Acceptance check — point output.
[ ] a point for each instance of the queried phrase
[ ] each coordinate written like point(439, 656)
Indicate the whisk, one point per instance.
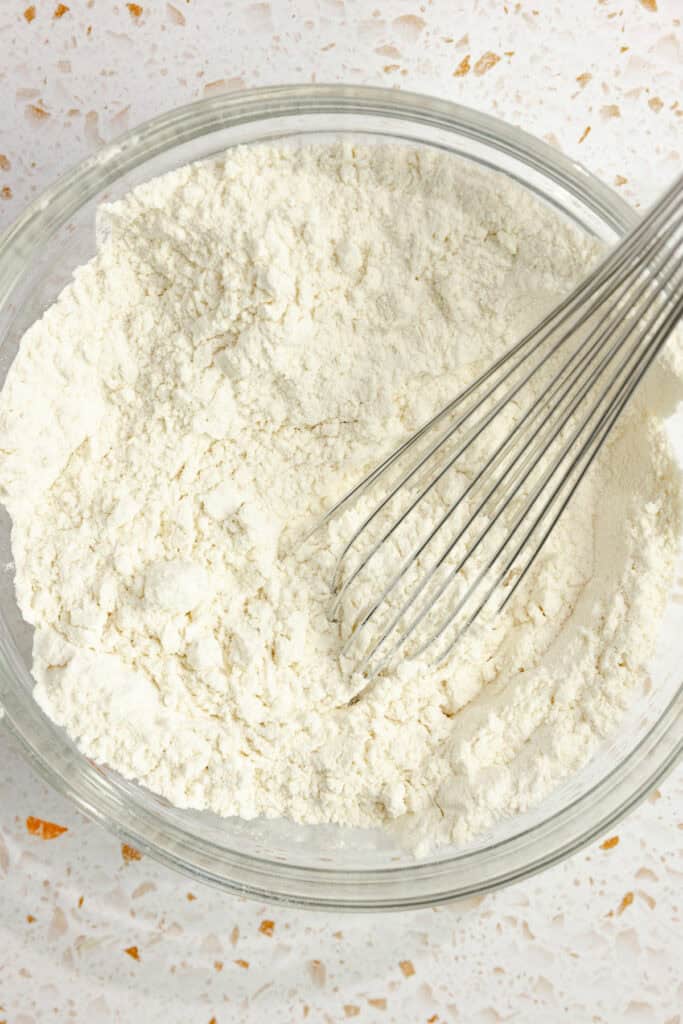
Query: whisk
point(536, 420)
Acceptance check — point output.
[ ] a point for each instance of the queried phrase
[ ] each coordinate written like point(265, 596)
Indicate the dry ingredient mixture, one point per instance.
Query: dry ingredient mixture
point(251, 335)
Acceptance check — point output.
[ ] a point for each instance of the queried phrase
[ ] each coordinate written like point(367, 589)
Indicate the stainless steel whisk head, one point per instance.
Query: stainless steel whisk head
point(437, 544)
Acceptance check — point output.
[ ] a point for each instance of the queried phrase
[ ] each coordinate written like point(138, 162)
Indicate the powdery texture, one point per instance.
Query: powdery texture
point(252, 333)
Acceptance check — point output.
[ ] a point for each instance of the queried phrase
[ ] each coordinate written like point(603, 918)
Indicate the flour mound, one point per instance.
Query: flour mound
point(251, 335)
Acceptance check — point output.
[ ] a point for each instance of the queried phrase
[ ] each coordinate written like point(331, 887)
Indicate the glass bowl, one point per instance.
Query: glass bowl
point(317, 866)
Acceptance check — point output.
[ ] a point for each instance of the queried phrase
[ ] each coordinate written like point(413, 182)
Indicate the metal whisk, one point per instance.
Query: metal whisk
point(532, 423)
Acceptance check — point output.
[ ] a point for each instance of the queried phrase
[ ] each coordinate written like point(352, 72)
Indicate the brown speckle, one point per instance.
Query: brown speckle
point(5, 192)
point(174, 15)
point(379, 1003)
point(610, 110)
point(585, 133)
point(143, 889)
point(267, 928)
point(58, 924)
point(411, 22)
point(218, 965)
point(584, 79)
point(190, 896)
point(619, 179)
point(90, 128)
point(30, 13)
point(135, 10)
point(351, 1010)
point(407, 968)
point(4, 163)
point(655, 104)
point(649, 5)
point(30, 918)
point(650, 900)
point(388, 51)
point(463, 67)
point(224, 85)
point(80, 901)
point(234, 935)
point(60, 11)
point(35, 112)
point(318, 972)
point(132, 951)
point(487, 61)
point(129, 853)
point(388, 68)
point(242, 963)
point(609, 844)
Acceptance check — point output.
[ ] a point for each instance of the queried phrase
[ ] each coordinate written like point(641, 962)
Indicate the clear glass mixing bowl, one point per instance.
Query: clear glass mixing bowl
point(277, 860)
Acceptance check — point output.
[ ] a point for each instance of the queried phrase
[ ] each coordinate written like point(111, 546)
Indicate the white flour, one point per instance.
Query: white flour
point(252, 334)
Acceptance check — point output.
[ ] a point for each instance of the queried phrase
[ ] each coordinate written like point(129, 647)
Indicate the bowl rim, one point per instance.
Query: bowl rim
point(425, 884)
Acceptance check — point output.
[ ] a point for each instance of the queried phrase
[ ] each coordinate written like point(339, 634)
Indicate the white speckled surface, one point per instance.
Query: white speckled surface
point(596, 939)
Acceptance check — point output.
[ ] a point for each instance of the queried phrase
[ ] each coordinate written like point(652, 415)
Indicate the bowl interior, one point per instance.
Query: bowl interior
point(320, 864)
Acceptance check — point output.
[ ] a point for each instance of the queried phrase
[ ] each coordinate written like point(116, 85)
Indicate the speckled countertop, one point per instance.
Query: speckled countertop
point(91, 933)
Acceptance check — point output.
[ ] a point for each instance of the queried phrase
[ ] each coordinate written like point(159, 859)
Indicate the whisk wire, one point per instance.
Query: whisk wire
point(628, 307)
point(589, 449)
point(542, 403)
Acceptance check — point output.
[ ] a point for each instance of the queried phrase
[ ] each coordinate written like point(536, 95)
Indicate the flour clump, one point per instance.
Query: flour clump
point(251, 335)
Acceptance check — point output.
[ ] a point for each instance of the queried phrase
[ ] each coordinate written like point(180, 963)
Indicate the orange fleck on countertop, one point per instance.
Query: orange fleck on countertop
point(30, 13)
point(5, 192)
point(609, 844)
point(129, 853)
point(4, 163)
point(584, 79)
point(60, 11)
point(267, 927)
point(407, 968)
point(487, 61)
point(379, 1003)
point(135, 10)
point(44, 829)
point(463, 67)
point(190, 896)
point(30, 918)
point(132, 951)
point(351, 1010)
point(242, 963)
point(649, 5)
point(585, 133)
point(626, 902)
point(36, 112)
point(218, 965)
point(318, 973)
